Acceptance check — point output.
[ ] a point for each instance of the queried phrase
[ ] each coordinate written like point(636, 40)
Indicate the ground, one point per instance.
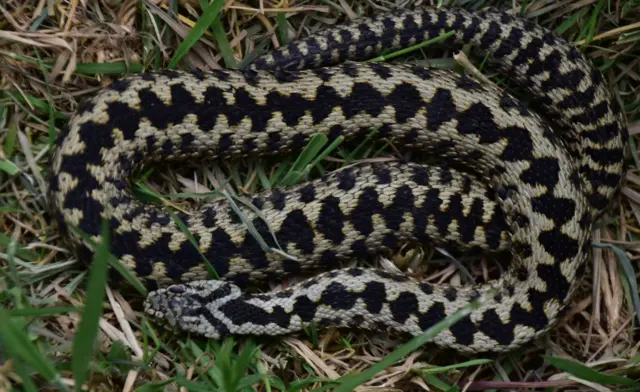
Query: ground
point(53, 54)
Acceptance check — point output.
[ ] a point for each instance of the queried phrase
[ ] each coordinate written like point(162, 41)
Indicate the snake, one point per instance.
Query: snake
point(493, 173)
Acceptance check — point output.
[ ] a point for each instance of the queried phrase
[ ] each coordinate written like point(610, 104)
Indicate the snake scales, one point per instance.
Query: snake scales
point(546, 187)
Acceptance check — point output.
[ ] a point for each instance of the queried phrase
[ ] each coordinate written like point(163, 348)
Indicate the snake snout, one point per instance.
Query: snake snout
point(193, 305)
point(173, 304)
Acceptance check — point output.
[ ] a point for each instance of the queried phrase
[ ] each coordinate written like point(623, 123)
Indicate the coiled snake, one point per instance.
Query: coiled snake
point(545, 187)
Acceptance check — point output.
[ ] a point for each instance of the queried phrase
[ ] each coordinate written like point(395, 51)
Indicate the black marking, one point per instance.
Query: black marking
point(521, 220)
point(520, 146)
point(463, 331)
point(218, 325)
point(508, 103)
point(446, 177)
point(328, 258)
point(381, 70)
point(359, 248)
point(307, 193)
point(177, 289)
point(390, 241)
point(308, 283)
point(491, 36)
point(362, 215)
point(440, 110)
point(251, 77)
point(338, 297)
point(240, 311)
point(434, 315)
point(335, 132)
point(249, 144)
point(403, 307)
point(278, 198)
point(605, 156)
point(167, 148)
point(197, 73)
point(374, 296)
point(347, 180)
point(171, 74)
point(120, 85)
point(522, 274)
point(298, 141)
point(350, 69)
point(283, 76)
point(493, 327)
point(274, 141)
point(451, 294)
point(220, 74)
point(426, 288)
point(322, 73)
point(355, 272)
point(468, 84)
point(508, 45)
point(296, 229)
point(421, 72)
point(408, 102)
point(403, 201)
point(466, 184)
point(560, 210)
point(221, 292)
point(382, 173)
point(478, 120)
point(331, 220)
point(185, 142)
point(522, 249)
point(305, 308)
point(542, 171)
point(148, 76)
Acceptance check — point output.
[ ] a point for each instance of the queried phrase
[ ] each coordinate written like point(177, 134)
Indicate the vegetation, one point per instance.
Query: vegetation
point(55, 53)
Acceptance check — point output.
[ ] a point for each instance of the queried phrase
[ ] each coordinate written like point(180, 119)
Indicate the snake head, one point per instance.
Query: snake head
point(193, 307)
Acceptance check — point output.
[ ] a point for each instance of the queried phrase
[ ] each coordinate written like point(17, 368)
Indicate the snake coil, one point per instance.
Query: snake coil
point(505, 180)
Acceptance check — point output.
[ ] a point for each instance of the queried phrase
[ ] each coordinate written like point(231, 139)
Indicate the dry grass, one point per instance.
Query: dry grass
point(55, 53)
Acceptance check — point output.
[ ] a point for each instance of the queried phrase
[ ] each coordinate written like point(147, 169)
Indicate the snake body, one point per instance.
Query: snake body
point(504, 180)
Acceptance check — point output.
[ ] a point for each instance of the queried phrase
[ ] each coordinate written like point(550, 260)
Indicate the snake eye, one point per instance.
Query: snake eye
point(176, 304)
point(177, 289)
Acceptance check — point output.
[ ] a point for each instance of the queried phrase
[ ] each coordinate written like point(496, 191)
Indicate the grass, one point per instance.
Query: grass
point(63, 328)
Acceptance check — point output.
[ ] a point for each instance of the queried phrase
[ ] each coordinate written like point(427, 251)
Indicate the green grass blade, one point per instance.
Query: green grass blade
point(389, 56)
point(217, 29)
point(588, 374)
point(243, 361)
point(9, 167)
point(592, 25)
point(16, 343)
point(83, 343)
point(27, 382)
point(36, 103)
point(115, 68)
point(32, 312)
point(208, 17)
point(281, 19)
point(436, 382)
point(443, 369)
point(183, 227)
point(313, 147)
point(114, 263)
point(22, 253)
point(10, 140)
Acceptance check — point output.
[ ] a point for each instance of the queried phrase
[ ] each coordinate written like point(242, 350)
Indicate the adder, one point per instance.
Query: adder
point(503, 178)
